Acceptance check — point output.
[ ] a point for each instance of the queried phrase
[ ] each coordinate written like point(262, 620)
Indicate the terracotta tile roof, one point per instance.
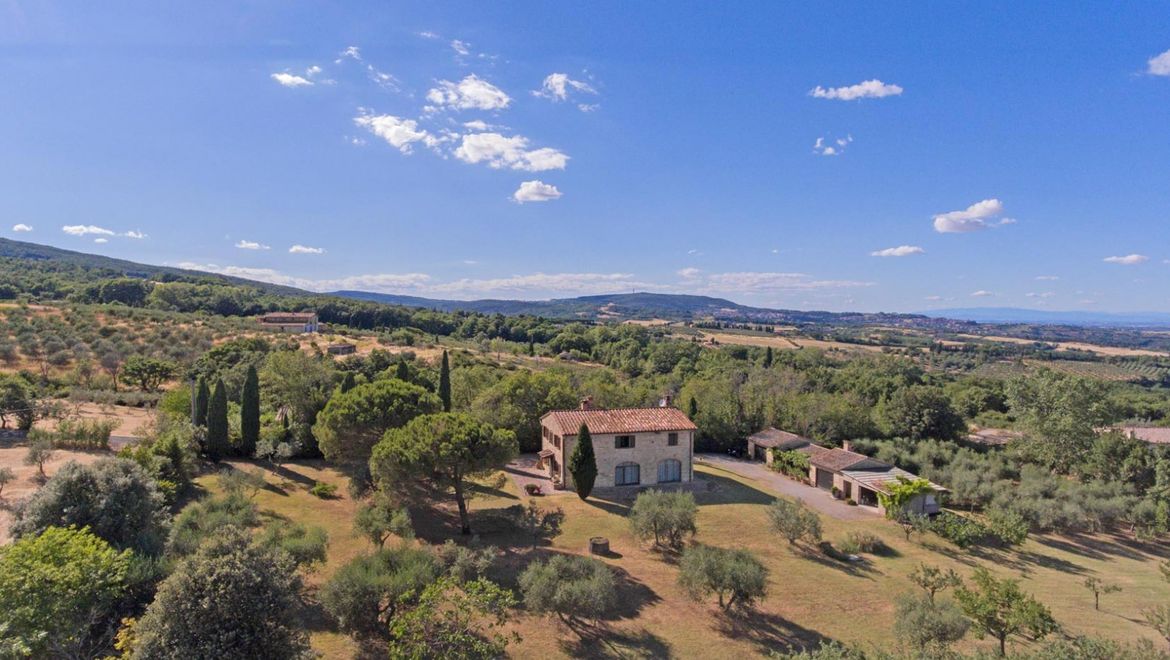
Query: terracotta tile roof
point(773, 437)
point(618, 420)
point(837, 460)
point(279, 317)
point(1150, 434)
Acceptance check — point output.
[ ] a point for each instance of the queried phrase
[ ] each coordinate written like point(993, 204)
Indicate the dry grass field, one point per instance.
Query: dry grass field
point(810, 598)
point(1107, 351)
point(780, 342)
point(25, 484)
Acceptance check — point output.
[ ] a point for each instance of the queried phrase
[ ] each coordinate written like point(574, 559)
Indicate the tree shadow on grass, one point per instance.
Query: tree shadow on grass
point(828, 556)
point(602, 641)
point(1113, 545)
point(1025, 561)
point(768, 632)
point(480, 490)
point(954, 554)
point(725, 490)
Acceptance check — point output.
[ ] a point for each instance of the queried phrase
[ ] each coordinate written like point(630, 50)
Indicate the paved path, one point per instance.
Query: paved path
point(523, 470)
point(765, 477)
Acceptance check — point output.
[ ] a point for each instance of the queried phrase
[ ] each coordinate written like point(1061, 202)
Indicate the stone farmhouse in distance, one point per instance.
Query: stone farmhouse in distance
point(294, 322)
point(633, 446)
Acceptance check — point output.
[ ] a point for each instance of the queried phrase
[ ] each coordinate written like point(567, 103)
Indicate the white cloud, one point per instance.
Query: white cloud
point(982, 294)
point(1047, 278)
point(82, 230)
point(535, 191)
point(980, 215)
point(304, 249)
point(1040, 294)
point(509, 152)
point(757, 282)
point(826, 147)
point(559, 86)
point(291, 80)
point(353, 53)
point(399, 132)
point(101, 240)
point(251, 245)
point(134, 234)
point(689, 273)
point(383, 80)
point(471, 92)
point(427, 34)
point(933, 298)
point(1159, 65)
point(461, 47)
point(477, 125)
point(1128, 260)
point(873, 89)
point(21, 227)
point(900, 251)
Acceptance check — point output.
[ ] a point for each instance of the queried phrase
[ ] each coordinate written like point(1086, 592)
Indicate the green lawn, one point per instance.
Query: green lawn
point(811, 597)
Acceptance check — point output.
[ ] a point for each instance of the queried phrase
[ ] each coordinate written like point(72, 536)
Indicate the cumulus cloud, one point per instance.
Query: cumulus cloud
point(689, 273)
point(82, 230)
point(251, 245)
point(535, 191)
point(135, 234)
point(352, 52)
point(900, 251)
point(501, 152)
point(304, 249)
point(828, 147)
point(21, 227)
point(870, 89)
point(980, 215)
point(461, 47)
point(291, 80)
point(472, 92)
point(1047, 278)
point(982, 294)
point(763, 282)
point(559, 86)
point(101, 240)
point(1128, 260)
point(1039, 294)
point(401, 133)
point(1159, 65)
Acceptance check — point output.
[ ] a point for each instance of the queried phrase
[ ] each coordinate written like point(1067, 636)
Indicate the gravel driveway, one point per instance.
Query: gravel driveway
point(764, 478)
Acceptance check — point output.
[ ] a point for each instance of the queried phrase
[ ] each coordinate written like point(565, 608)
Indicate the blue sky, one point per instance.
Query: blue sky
point(763, 152)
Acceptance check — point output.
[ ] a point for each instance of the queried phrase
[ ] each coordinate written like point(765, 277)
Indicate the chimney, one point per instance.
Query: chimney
point(846, 445)
point(587, 403)
point(665, 401)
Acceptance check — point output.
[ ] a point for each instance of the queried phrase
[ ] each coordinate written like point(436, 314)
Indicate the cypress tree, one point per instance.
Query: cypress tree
point(250, 413)
point(583, 463)
point(348, 382)
point(217, 423)
point(768, 358)
point(403, 371)
point(531, 348)
point(445, 383)
point(201, 398)
point(693, 409)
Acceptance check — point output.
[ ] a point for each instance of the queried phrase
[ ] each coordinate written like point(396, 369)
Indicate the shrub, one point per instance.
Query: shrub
point(203, 520)
point(325, 491)
point(569, 586)
point(735, 576)
point(857, 542)
point(960, 530)
point(929, 627)
point(231, 599)
point(532, 489)
point(464, 563)
point(306, 545)
point(665, 515)
point(114, 497)
point(792, 463)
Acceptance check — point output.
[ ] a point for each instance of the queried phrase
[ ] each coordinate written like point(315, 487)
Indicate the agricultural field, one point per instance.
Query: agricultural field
point(1104, 370)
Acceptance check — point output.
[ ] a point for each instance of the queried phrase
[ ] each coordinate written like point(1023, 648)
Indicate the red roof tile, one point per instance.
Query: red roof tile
point(839, 459)
point(618, 420)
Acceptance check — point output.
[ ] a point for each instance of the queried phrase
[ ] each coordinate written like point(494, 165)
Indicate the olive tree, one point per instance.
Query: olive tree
point(795, 521)
point(365, 594)
point(998, 607)
point(570, 586)
point(667, 516)
point(736, 577)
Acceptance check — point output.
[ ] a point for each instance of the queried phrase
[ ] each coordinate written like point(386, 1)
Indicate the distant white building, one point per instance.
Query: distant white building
point(294, 322)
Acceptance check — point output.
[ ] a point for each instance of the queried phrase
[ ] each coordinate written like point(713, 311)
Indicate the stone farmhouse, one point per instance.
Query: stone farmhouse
point(633, 446)
point(294, 322)
point(846, 473)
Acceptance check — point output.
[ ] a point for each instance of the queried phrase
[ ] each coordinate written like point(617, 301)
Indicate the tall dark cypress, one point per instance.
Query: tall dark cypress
point(768, 358)
point(583, 463)
point(217, 423)
point(201, 398)
point(693, 409)
point(348, 383)
point(445, 383)
point(250, 413)
point(531, 348)
point(403, 371)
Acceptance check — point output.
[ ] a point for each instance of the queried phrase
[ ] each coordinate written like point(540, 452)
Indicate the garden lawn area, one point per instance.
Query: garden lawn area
point(811, 597)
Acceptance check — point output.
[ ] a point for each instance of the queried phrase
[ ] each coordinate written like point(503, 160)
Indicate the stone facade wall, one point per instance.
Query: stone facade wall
point(649, 450)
